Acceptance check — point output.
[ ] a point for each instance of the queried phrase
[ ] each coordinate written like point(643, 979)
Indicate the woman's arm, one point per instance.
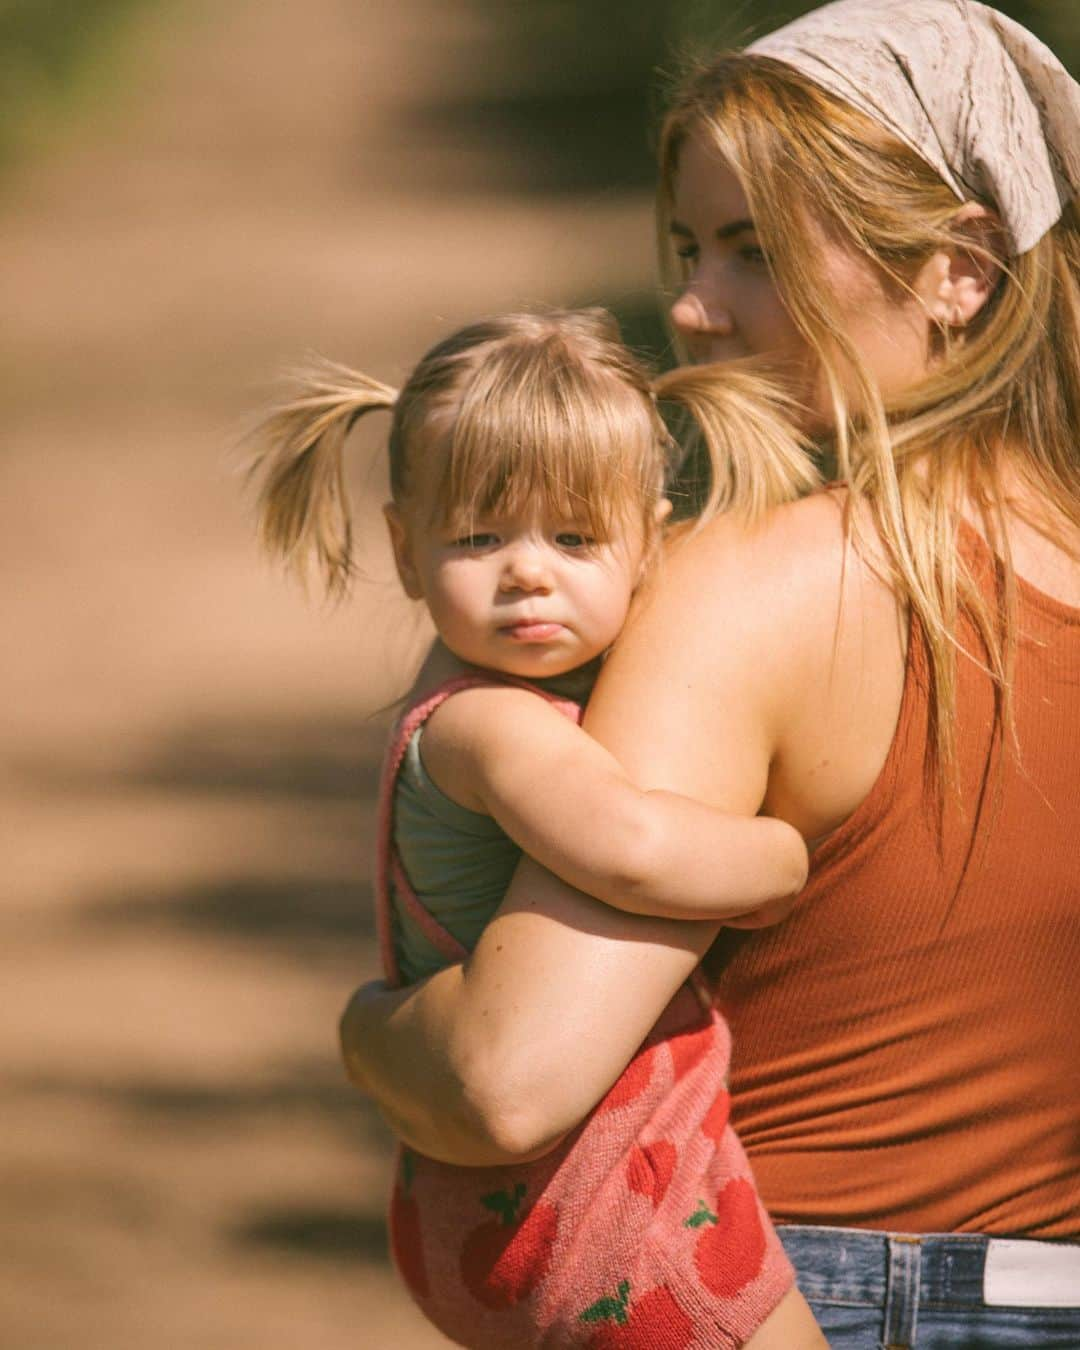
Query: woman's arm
point(569, 804)
point(508, 1052)
point(455, 1063)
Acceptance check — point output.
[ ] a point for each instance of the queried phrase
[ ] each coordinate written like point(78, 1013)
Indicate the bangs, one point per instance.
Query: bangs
point(538, 430)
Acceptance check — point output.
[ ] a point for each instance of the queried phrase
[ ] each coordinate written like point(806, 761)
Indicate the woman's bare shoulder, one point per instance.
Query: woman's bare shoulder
point(818, 643)
point(715, 652)
point(760, 651)
point(776, 581)
point(809, 532)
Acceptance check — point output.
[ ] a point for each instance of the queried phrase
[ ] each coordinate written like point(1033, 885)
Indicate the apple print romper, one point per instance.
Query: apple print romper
point(643, 1228)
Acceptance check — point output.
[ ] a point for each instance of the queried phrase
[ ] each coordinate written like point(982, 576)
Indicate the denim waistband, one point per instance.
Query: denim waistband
point(853, 1265)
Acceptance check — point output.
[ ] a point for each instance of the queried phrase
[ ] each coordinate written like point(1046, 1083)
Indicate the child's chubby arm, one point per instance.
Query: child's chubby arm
point(569, 804)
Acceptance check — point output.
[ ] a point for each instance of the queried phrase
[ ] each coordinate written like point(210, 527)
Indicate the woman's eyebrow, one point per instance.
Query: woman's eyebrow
point(728, 231)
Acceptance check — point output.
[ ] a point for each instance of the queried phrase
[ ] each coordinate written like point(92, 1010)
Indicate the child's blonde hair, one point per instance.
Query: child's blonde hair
point(545, 412)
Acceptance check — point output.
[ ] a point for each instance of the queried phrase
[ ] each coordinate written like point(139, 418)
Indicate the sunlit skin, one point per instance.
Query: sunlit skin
point(527, 595)
point(730, 307)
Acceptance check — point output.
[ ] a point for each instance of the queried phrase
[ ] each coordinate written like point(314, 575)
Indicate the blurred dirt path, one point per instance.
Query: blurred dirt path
point(187, 755)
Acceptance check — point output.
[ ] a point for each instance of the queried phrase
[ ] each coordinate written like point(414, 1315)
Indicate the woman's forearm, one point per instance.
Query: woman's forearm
point(496, 1060)
point(414, 1052)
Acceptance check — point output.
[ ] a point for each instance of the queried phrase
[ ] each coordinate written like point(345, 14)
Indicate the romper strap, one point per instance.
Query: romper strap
point(388, 867)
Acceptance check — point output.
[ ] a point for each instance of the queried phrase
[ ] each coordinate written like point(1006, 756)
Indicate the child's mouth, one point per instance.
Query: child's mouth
point(531, 630)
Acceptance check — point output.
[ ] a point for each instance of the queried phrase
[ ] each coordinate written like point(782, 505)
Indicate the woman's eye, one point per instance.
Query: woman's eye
point(687, 252)
point(753, 254)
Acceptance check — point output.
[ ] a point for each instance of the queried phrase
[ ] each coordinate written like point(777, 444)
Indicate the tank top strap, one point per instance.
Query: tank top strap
point(389, 872)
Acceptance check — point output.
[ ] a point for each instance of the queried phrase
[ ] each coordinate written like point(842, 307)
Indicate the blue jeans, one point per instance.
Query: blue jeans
point(923, 1292)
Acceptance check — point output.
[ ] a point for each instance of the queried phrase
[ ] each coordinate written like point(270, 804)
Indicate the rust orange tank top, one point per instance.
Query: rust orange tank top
point(907, 1044)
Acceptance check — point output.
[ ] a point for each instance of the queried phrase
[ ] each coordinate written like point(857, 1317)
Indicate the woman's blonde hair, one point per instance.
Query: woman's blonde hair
point(1006, 389)
point(547, 412)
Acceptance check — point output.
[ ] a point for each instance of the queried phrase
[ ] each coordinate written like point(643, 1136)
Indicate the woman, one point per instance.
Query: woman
point(886, 205)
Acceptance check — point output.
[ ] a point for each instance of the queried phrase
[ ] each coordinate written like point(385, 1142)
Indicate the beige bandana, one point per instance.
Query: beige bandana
point(979, 97)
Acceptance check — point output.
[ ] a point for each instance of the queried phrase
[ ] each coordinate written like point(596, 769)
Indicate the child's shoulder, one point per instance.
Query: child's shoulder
point(477, 714)
point(471, 727)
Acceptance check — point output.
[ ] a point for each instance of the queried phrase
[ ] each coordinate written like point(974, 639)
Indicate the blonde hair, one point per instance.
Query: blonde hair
point(522, 412)
point(1008, 387)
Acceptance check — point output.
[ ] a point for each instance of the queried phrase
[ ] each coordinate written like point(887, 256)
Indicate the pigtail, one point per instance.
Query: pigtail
point(748, 454)
point(303, 503)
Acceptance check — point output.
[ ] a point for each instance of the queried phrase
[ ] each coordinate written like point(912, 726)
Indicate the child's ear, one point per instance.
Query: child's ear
point(403, 559)
point(661, 511)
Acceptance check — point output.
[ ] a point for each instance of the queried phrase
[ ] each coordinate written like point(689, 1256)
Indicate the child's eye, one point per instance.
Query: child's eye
point(480, 539)
point(573, 540)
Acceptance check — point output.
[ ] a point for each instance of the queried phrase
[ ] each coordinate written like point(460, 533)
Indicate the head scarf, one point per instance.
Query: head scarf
point(981, 99)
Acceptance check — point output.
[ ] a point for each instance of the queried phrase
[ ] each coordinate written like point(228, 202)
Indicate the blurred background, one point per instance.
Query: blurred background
point(191, 196)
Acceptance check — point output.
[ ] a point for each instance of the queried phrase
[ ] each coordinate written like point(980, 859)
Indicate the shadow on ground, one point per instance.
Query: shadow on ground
point(316, 1092)
point(315, 1233)
point(306, 918)
point(320, 759)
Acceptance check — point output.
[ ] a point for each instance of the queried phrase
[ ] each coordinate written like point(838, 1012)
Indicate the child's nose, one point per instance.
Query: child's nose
point(526, 569)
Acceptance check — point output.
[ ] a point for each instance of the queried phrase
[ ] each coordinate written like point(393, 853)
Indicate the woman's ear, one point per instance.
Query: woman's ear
point(662, 510)
point(403, 557)
point(961, 279)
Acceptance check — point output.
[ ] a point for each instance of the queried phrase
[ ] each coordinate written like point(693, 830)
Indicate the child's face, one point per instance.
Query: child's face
point(528, 596)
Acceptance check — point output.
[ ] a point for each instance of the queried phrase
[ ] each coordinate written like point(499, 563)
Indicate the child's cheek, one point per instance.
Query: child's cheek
point(611, 605)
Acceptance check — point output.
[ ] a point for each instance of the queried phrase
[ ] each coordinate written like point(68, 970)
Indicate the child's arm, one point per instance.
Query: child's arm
point(568, 803)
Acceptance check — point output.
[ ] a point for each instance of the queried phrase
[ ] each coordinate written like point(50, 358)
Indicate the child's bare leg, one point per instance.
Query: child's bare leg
point(790, 1326)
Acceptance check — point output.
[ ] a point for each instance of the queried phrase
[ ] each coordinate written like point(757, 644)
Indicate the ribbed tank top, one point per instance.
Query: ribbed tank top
point(907, 1043)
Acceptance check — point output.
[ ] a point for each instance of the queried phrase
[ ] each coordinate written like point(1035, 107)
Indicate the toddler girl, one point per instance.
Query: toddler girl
point(528, 466)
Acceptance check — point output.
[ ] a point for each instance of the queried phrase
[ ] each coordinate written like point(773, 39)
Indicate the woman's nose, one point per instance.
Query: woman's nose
point(700, 312)
point(525, 569)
